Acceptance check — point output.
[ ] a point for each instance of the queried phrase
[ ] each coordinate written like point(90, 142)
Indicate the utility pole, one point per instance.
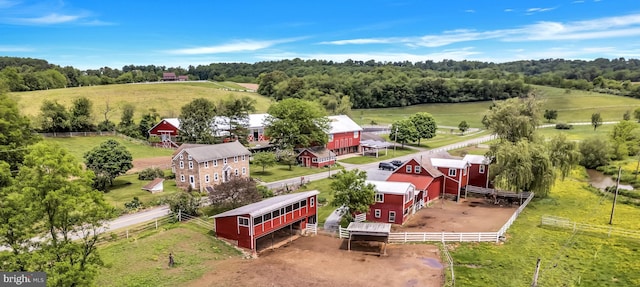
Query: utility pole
point(615, 197)
point(396, 143)
point(535, 274)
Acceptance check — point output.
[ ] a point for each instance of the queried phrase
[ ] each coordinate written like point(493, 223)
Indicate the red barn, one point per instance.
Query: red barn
point(394, 202)
point(426, 179)
point(167, 130)
point(344, 135)
point(316, 157)
point(478, 170)
point(246, 225)
point(456, 174)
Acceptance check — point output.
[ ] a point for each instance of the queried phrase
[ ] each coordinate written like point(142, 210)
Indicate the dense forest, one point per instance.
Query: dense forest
point(361, 84)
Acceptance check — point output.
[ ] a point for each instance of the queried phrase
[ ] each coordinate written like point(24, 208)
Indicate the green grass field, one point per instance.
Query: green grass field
point(126, 187)
point(280, 172)
point(578, 132)
point(576, 106)
point(579, 260)
point(323, 186)
point(390, 153)
point(78, 146)
point(143, 260)
point(166, 98)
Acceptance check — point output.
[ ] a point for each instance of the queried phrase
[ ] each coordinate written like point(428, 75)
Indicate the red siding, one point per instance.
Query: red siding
point(392, 202)
point(283, 220)
point(164, 126)
point(227, 227)
point(434, 190)
point(476, 178)
point(343, 143)
point(307, 160)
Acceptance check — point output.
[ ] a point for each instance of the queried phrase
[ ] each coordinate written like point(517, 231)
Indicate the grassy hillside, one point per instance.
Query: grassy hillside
point(78, 146)
point(166, 98)
point(576, 106)
point(567, 260)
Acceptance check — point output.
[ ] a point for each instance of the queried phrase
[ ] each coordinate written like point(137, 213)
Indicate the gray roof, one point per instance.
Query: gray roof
point(216, 151)
point(268, 204)
point(369, 228)
point(476, 159)
point(342, 124)
point(319, 151)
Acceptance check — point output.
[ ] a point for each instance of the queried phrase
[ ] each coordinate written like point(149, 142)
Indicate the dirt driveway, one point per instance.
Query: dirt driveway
point(470, 215)
point(323, 261)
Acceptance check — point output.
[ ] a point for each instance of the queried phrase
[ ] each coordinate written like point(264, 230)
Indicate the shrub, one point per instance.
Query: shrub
point(150, 173)
point(322, 200)
point(563, 126)
point(134, 204)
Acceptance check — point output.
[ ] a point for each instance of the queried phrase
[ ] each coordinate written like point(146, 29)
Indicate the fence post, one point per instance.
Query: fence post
point(127, 233)
point(460, 237)
point(179, 215)
point(424, 237)
point(156, 224)
point(442, 237)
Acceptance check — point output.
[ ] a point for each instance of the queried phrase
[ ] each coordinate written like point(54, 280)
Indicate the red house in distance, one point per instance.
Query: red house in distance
point(316, 157)
point(344, 135)
point(167, 130)
point(426, 179)
point(247, 225)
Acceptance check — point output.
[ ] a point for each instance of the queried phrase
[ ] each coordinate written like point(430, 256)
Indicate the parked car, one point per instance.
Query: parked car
point(386, 166)
point(397, 163)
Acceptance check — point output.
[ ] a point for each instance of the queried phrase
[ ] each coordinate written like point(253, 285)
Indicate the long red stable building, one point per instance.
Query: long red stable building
point(247, 224)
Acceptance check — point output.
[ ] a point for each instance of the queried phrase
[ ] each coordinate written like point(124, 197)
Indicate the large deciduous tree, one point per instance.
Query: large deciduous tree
point(550, 115)
point(237, 111)
point(297, 123)
point(404, 131)
point(463, 126)
point(564, 154)
point(147, 122)
point(350, 189)
point(624, 139)
point(16, 132)
point(596, 120)
point(595, 152)
point(54, 117)
point(127, 126)
point(57, 194)
point(264, 159)
point(197, 121)
point(514, 119)
point(81, 120)
point(235, 193)
point(425, 125)
point(108, 161)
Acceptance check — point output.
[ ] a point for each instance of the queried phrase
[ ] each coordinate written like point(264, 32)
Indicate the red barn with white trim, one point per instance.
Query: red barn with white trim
point(478, 170)
point(394, 202)
point(245, 225)
point(344, 135)
point(427, 179)
point(455, 174)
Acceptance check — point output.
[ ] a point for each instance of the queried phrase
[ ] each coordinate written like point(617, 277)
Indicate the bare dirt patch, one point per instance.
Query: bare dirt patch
point(469, 215)
point(322, 261)
point(249, 86)
point(163, 162)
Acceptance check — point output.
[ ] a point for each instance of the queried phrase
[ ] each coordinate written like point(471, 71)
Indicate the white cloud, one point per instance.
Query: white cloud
point(52, 18)
point(470, 11)
point(238, 46)
point(577, 2)
point(10, 49)
point(508, 10)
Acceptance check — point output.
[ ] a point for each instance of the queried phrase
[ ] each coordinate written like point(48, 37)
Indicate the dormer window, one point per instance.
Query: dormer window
point(452, 172)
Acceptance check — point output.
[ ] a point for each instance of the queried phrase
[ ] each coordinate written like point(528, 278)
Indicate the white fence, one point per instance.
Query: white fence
point(78, 134)
point(342, 232)
point(609, 231)
point(464, 144)
point(515, 215)
point(449, 259)
point(311, 228)
point(360, 217)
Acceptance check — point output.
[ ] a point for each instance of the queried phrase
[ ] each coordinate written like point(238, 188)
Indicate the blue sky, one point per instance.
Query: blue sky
point(94, 33)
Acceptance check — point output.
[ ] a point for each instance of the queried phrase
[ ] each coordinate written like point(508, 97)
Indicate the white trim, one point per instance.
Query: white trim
point(215, 177)
point(452, 172)
point(481, 169)
point(381, 195)
point(182, 178)
point(244, 170)
point(394, 216)
point(377, 213)
point(215, 163)
point(408, 168)
point(417, 169)
point(206, 178)
point(181, 164)
point(241, 220)
point(190, 164)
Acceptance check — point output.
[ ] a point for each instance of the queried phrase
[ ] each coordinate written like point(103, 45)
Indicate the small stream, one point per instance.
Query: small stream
point(602, 181)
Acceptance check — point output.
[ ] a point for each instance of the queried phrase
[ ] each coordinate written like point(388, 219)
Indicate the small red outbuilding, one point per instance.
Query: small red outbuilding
point(245, 225)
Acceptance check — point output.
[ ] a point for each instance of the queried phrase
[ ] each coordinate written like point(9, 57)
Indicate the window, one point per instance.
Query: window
point(379, 197)
point(190, 165)
point(452, 172)
point(312, 201)
point(243, 221)
point(392, 216)
point(276, 213)
point(182, 177)
point(406, 211)
point(355, 134)
point(206, 178)
point(409, 168)
point(235, 158)
point(215, 176)
point(289, 208)
point(303, 203)
point(267, 216)
point(257, 220)
point(244, 170)
point(296, 206)
point(331, 137)
point(417, 169)
point(481, 168)
point(189, 157)
point(181, 157)
point(236, 172)
point(377, 213)
point(182, 164)
point(314, 160)
point(224, 161)
point(206, 164)
point(244, 157)
point(215, 162)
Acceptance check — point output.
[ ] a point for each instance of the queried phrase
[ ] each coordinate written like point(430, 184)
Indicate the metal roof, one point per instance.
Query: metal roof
point(421, 182)
point(476, 159)
point(268, 205)
point(342, 124)
point(216, 151)
point(369, 228)
point(173, 121)
point(450, 163)
point(375, 144)
point(257, 120)
point(391, 187)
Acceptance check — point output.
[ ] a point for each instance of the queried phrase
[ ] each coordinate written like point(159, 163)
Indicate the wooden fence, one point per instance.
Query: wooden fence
point(609, 231)
point(77, 134)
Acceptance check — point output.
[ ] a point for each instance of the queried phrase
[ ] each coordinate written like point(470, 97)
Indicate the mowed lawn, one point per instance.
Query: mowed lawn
point(166, 98)
point(126, 187)
point(579, 132)
point(576, 106)
point(78, 146)
point(567, 259)
point(143, 260)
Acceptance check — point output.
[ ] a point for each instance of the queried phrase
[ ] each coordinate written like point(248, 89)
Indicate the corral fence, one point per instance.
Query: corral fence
point(404, 237)
point(464, 144)
point(449, 259)
point(155, 224)
point(609, 231)
point(311, 229)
